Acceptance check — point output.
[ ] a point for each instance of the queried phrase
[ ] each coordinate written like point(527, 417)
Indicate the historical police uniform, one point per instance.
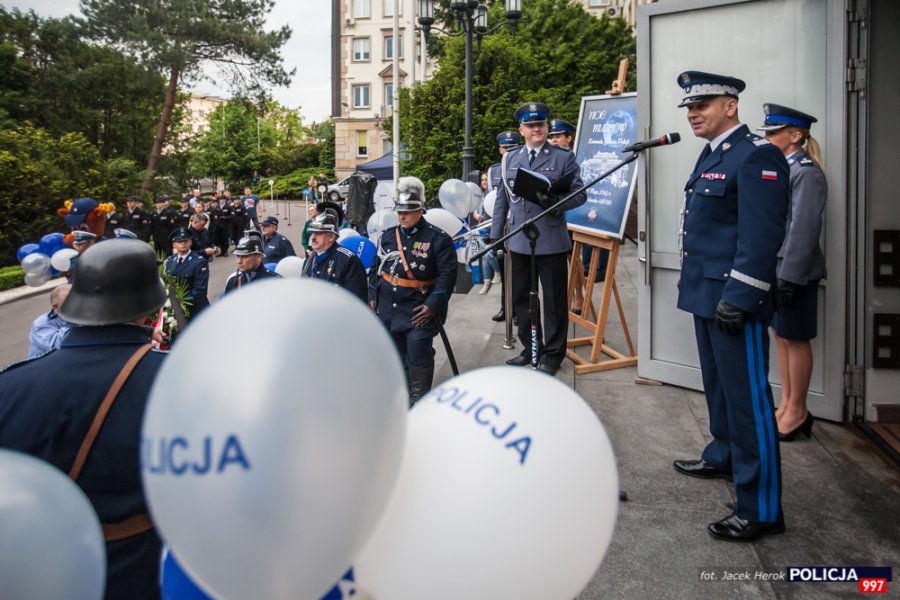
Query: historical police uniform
point(164, 222)
point(276, 246)
point(550, 250)
point(138, 221)
point(732, 226)
point(418, 268)
point(248, 245)
point(337, 265)
point(50, 416)
point(192, 271)
point(801, 263)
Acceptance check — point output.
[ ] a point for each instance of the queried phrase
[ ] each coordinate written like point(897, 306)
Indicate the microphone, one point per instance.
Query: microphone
point(669, 138)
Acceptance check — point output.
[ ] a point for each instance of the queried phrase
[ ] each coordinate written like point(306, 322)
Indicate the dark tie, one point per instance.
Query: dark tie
point(707, 150)
point(179, 260)
point(531, 156)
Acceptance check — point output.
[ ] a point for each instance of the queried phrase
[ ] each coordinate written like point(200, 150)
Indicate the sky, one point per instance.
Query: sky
point(308, 51)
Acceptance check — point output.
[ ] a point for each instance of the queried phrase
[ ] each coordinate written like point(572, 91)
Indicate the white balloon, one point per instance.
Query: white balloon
point(37, 279)
point(379, 221)
point(508, 489)
point(290, 266)
point(489, 199)
point(461, 255)
point(475, 196)
point(445, 220)
point(346, 233)
point(455, 197)
point(267, 480)
point(62, 258)
point(36, 262)
point(51, 544)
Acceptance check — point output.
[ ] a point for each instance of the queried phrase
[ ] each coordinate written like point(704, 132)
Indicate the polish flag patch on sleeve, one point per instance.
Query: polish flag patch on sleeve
point(770, 175)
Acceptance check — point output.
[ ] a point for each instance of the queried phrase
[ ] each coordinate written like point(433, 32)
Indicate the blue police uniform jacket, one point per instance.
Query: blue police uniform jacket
point(49, 416)
point(194, 273)
point(736, 200)
point(431, 257)
point(800, 259)
point(341, 267)
point(553, 162)
point(241, 278)
point(494, 180)
point(276, 247)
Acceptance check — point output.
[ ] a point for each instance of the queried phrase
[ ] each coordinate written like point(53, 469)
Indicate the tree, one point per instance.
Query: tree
point(180, 37)
point(559, 54)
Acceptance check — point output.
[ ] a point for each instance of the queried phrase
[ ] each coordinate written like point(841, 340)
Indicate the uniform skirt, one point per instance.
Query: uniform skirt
point(798, 321)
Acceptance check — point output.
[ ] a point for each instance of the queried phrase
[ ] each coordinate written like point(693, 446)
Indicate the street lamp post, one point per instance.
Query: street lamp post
point(471, 18)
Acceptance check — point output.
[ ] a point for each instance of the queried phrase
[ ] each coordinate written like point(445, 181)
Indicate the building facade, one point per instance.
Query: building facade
point(200, 106)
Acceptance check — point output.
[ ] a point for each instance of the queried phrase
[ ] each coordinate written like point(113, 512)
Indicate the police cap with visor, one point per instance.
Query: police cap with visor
point(699, 86)
point(779, 117)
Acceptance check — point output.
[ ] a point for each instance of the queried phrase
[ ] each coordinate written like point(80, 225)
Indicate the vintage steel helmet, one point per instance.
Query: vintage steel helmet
point(411, 194)
point(116, 281)
point(248, 245)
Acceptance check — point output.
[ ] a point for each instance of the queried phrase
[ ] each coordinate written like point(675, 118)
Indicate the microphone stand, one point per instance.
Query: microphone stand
point(530, 230)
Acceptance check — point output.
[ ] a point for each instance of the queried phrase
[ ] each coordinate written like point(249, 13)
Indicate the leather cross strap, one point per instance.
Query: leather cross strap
point(409, 273)
point(138, 523)
point(411, 283)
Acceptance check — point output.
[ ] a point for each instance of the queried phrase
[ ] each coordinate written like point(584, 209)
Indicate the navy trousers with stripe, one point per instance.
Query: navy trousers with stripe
point(741, 415)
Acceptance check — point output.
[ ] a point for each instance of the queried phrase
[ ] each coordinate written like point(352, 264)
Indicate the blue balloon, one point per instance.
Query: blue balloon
point(364, 248)
point(174, 583)
point(27, 249)
point(51, 242)
point(270, 266)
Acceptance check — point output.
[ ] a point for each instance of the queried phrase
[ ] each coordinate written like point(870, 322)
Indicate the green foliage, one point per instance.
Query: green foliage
point(324, 133)
point(290, 185)
point(559, 54)
point(11, 277)
point(38, 172)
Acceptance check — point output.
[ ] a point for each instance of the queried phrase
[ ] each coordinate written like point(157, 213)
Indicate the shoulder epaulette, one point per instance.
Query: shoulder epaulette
point(25, 361)
point(806, 162)
point(346, 252)
point(760, 142)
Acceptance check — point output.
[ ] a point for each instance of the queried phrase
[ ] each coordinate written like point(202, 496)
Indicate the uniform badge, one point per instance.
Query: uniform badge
point(713, 176)
point(725, 147)
point(770, 175)
point(421, 267)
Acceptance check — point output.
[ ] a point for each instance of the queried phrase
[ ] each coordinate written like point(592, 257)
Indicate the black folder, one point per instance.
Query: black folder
point(528, 183)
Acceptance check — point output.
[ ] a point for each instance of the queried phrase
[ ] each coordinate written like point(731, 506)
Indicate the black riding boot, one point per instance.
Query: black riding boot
point(419, 383)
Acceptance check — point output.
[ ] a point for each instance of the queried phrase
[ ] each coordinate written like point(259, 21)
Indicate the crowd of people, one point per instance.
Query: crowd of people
point(752, 208)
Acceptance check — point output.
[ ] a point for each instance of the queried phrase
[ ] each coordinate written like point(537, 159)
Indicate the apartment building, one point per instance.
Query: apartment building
point(200, 106)
point(626, 9)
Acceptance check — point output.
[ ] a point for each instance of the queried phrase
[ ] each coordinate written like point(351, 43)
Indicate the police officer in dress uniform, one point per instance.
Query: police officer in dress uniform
point(733, 218)
point(164, 222)
point(552, 245)
point(506, 141)
point(275, 245)
point(238, 217)
point(137, 219)
point(184, 214)
point(411, 287)
point(332, 262)
point(114, 221)
point(117, 286)
point(249, 254)
point(562, 133)
point(190, 269)
point(223, 233)
point(801, 264)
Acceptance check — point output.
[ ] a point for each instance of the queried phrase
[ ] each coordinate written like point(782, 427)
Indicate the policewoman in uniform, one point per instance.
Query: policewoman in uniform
point(411, 288)
point(553, 244)
point(801, 264)
point(735, 202)
point(190, 269)
point(50, 417)
point(332, 262)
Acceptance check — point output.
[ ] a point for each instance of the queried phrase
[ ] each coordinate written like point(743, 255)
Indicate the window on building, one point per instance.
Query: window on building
point(362, 143)
point(389, 8)
point(594, 3)
point(362, 49)
point(386, 146)
point(362, 8)
point(361, 96)
point(389, 95)
point(389, 46)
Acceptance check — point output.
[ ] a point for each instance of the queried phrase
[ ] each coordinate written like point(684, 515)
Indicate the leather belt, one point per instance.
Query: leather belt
point(410, 283)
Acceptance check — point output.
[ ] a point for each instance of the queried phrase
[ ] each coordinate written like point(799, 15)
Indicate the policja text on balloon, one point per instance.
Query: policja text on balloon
point(177, 456)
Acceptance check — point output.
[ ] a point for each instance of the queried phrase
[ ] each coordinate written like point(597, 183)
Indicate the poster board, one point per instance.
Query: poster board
point(606, 125)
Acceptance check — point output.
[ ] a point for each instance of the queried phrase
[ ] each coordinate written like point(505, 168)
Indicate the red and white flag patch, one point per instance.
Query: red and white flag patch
point(770, 175)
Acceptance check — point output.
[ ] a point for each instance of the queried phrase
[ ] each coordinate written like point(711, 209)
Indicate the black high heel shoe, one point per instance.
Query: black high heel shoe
point(805, 428)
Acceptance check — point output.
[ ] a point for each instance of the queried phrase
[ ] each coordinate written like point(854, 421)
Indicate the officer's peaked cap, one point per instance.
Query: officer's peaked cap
point(778, 117)
point(533, 112)
point(117, 282)
point(558, 126)
point(699, 86)
point(508, 139)
point(180, 234)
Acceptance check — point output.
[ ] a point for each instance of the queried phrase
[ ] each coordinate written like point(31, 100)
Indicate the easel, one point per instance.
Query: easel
point(595, 320)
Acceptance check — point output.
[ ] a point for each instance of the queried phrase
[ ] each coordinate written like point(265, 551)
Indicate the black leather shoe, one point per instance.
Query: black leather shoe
point(548, 369)
point(500, 316)
point(735, 529)
point(519, 361)
point(698, 468)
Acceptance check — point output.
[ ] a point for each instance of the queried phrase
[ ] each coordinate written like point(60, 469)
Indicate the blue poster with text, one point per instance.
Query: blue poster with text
point(607, 124)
